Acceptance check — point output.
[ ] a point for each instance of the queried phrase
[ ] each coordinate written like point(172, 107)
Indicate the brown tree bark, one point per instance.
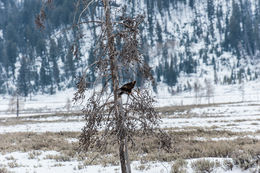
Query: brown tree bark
point(114, 76)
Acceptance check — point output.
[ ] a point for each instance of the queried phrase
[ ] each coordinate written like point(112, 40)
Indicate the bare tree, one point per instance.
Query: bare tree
point(209, 89)
point(68, 105)
point(110, 117)
point(15, 104)
point(197, 90)
point(242, 90)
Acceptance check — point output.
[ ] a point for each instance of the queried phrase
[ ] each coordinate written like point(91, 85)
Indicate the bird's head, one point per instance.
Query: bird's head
point(134, 82)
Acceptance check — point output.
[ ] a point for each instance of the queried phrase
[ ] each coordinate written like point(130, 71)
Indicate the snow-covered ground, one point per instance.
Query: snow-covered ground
point(41, 164)
point(62, 101)
point(234, 117)
point(250, 92)
point(231, 111)
point(23, 163)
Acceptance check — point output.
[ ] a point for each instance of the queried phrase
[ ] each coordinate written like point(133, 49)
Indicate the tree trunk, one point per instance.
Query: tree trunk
point(127, 158)
point(122, 156)
point(17, 106)
point(128, 166)
point(114, 76)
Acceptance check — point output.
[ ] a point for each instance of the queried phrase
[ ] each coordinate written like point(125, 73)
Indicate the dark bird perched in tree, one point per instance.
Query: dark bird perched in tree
point(127, 88)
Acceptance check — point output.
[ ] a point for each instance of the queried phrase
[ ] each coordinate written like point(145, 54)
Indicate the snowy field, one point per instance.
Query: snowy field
point(231, 116)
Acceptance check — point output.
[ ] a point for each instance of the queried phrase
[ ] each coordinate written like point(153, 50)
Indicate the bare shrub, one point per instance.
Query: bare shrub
point(3, 170)
point(179, 166)
point(10, 158)
point(143, 167)
point(68, 105)
point(58, 165)
point(197, 90)
point(34, 154)
point(209, 89)
point(244, 159)
point(58, 158)
point(79, 167)
point(203, 166)
point(109, 160)
point(13, 105)
point(228, 165)
point(13, 164)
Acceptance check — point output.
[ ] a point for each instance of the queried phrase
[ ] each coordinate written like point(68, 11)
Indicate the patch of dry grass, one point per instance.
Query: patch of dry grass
point(26, 120)
point(29, 141)
point(167, 110)
point(146, 148)
point(179, 166)
point(59, 158)
point(203, 165)
point(246, 159)
point(34, 154)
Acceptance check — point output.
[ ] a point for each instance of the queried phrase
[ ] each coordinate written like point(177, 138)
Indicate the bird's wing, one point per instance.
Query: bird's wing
point(125, 86)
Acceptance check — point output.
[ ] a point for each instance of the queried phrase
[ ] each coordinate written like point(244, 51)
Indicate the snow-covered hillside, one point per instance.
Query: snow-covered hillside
point(185, 43)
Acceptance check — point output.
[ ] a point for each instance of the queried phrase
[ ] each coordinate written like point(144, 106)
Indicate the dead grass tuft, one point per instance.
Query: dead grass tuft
point(245, 160)
point(34, 154)
point(58, 158)
point(179, 166)
point(228, 165)
point(203, 165)
point(143, 167)
point(13, 164)
point(4, 170)
point(10, 158)
point(29, 141)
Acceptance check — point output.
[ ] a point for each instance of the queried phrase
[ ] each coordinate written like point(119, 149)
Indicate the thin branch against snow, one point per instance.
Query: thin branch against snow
point(83, 11)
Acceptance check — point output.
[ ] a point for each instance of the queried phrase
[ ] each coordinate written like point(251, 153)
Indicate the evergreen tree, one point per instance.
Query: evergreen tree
point(211, 15)
point(11, 33)
point(235, 30)
point(91, 60)
point(2, 80)
point(1, 51)
point(70, 70)
point(150, 12)
point(54, 59)
point(191, 3)
point(45, 75)
point(23, 81)
point(159, 6)
point(35, 78)
point(159, 33)
point(60, 47)
point(11, 54)
point(40, 47)
point(158, 73)
point(172, 75)
point(248, 31)
point(166, 72)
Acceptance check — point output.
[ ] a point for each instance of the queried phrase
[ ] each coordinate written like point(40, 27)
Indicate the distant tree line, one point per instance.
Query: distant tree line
point(41, 55)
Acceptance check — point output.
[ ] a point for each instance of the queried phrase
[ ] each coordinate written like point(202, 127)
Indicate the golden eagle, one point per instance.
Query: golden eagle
point(127, 88)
